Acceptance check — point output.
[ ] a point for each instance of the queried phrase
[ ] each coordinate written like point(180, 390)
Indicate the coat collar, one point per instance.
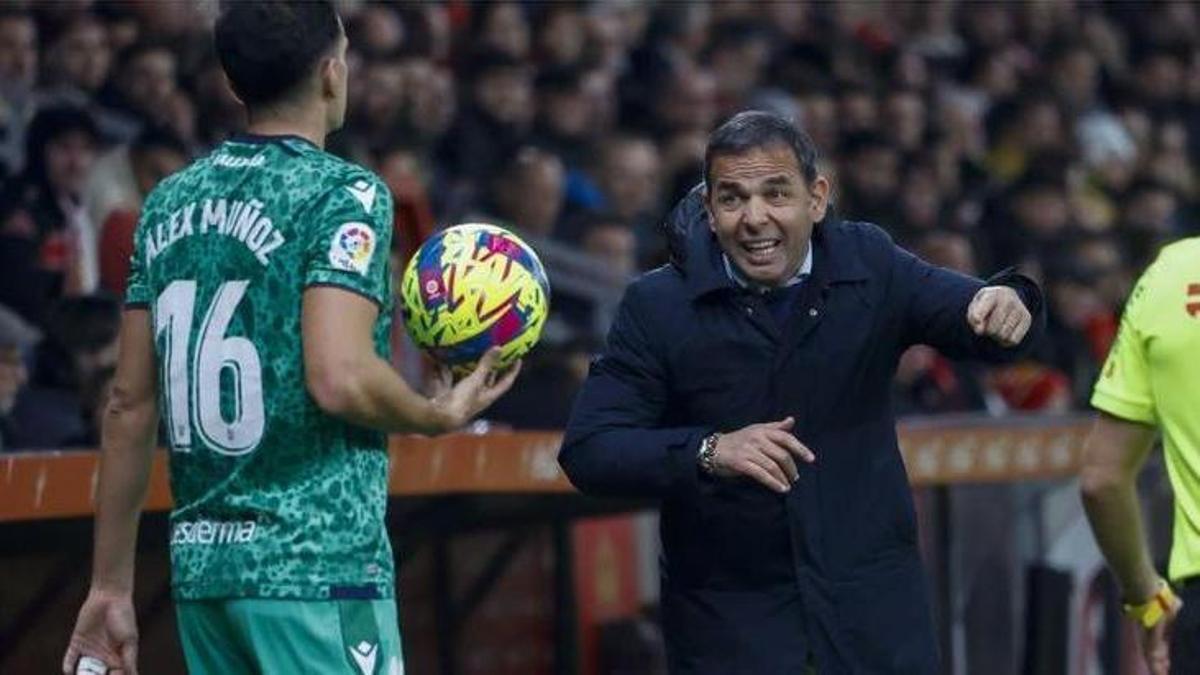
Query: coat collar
point(832, 240)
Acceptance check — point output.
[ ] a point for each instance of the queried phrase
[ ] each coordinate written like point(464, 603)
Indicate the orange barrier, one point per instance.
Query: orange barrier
point(62, 484)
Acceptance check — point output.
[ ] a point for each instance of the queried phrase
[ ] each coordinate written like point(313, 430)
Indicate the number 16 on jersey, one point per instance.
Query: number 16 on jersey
point(193, 374)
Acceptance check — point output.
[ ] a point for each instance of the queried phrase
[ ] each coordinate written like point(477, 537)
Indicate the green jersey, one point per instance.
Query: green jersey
point(273, 497)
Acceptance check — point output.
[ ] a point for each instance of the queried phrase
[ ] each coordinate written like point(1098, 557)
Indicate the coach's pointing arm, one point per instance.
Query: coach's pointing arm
point(964, 317)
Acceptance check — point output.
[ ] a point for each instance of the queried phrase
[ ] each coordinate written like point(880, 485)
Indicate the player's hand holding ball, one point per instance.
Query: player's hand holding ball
point(475, 298)
point(997, 312)
point(474, 393)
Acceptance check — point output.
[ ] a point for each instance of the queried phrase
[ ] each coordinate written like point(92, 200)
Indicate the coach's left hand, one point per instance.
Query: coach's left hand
point(997, 312)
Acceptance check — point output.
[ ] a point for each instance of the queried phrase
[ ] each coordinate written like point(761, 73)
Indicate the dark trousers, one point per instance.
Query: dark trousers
point(1185, 635)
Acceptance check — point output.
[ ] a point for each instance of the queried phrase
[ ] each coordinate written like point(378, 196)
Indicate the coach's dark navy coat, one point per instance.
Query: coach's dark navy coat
point(753, 580)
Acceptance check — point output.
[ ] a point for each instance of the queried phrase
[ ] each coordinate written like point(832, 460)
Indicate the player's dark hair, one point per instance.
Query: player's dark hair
point(754, 129)
point(269, 47)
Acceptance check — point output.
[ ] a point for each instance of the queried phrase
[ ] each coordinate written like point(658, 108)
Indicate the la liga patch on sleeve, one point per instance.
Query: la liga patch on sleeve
point(352, 247)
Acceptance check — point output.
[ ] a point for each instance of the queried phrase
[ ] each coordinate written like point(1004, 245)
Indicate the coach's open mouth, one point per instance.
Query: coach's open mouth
point(762, 251)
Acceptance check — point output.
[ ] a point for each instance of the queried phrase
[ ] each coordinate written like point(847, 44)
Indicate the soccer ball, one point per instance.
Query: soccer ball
point(471, 287)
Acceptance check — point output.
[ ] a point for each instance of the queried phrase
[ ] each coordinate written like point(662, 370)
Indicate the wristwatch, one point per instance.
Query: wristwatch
point(1150, 612)
point(708, 454)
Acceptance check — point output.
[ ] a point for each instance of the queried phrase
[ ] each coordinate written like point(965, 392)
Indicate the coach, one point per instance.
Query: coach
point(747, 387)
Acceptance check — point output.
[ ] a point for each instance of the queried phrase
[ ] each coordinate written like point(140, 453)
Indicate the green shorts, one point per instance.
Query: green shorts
point(255, 636)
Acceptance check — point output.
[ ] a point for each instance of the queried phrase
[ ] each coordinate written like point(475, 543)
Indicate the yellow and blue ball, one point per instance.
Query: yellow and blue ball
point(471, 287)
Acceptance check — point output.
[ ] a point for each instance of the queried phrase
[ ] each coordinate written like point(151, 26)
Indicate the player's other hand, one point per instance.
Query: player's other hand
point(997, 312)
point(767, 453)
point(1156, 641)
point(106, 629)
point(474, 393)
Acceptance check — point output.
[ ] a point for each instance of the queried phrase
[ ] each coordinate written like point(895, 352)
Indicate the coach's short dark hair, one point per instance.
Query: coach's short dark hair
point(753, 129)
point(268, 47)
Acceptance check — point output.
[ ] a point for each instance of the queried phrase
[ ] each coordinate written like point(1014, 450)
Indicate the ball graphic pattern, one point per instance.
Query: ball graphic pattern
point(473, 286)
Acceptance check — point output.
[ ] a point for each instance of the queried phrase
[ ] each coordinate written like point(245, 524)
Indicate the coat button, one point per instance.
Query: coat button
point(749, 310)
point(812, 311)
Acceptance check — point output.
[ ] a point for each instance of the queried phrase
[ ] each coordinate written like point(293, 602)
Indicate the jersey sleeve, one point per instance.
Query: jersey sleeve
point(350, 238)
point(138, 294)
point(1124, 388)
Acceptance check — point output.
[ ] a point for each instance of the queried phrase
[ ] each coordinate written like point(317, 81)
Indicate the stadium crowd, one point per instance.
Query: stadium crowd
point(1061, 137)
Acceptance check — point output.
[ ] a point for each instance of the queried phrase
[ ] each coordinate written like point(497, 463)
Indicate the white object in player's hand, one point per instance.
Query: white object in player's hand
point(105, 635)
point(90, 666)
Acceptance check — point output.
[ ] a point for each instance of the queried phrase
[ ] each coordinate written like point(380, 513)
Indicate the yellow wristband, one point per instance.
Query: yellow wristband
point(1149, 613)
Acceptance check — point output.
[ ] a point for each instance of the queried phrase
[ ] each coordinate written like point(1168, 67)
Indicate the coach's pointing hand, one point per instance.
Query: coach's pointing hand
point(997, 312)
point(765, 452)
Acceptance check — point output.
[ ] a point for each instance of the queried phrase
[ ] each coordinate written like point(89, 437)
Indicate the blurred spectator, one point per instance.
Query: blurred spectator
point(1148, 218)
point(430, 102)
point(1080, 325)
point(688, 104)
point(494, 121)
point(528, 192)
point(1158, 73)
point(927, 382)
point(857, 110)
point(560, 34)
point(122, 177)
point(1104, 259)
point(78, 58)
point(18, 74)
point(144, 90)
point(565, 118)
point(377, 116)
point(413, 221)
point(17, 338)
point(1109, 151)
point(378, 32)
point(119, 182)
point(1075, 76)
point(18, 49)
point(870, 179)
point(47, 243)
point(921, 203)
point(501, 26)
point(70, 378)
point(1021, 130)
point(1033, 213)
point(628, 173)
point(818, 111)
point(610, 241)
point(904, 119)
point(613, 30)
point(1170, 162)
point(738, 58)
